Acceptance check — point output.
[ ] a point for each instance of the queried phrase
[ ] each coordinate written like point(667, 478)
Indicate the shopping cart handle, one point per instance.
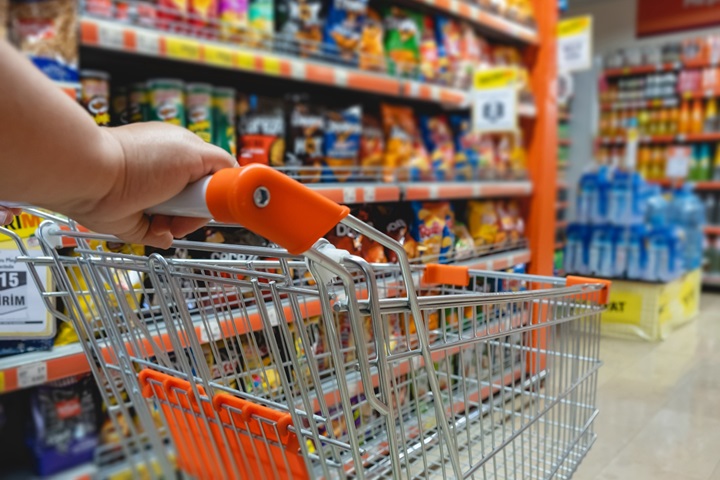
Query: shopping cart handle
point(263, 200)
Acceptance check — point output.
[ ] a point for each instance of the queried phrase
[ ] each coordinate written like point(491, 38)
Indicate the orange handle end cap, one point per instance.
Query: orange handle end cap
point(272, 205)
point(446, 275)
point(603, 294)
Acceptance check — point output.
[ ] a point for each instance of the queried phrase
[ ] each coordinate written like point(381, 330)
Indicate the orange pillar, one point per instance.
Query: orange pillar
point(542, 140)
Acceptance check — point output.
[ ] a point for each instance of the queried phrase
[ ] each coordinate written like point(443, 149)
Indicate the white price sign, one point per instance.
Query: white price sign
point(32, 374)
point(22, 311)
point(495, 100)
point(678, 161)
point(575, 44)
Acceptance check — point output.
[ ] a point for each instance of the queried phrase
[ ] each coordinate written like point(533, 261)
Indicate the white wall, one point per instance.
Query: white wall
point(614, 24)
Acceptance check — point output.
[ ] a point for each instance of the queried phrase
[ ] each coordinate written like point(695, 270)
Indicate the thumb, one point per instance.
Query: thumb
point(213, 159)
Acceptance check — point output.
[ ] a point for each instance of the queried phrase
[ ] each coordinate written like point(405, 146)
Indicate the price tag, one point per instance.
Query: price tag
point(148, 43)
point(110, 36)
point(678, 161)
point(575, 44)
point(349, 195)
point(368, 194)
point(495, 100)
point(214, 334)
point(272, 315)
point(183, 48)
point(33, 374)
point(22, 310)
point(221, 56)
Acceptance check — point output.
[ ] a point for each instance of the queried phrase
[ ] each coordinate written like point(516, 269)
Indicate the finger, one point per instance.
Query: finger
point(6, 216)
point(143, 230)
point(214, 159)
point(183, 226)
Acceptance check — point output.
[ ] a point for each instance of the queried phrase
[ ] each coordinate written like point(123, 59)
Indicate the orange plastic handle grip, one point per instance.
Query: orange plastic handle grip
point(272, 205)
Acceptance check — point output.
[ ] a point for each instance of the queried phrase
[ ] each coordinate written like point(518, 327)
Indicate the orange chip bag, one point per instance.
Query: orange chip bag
point(403, 146)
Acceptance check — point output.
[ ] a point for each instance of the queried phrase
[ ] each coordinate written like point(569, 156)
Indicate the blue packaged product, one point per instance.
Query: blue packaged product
point(437, 137)
point(343, 129)
point(624, 198)
point(64, 429)
point(600, 258)
point(621, 246)
point(687, 211)
point(636, 253)
point(576, 249)
point(467, 152)
point(586, 197)
point(343, 29)
point(599, 212)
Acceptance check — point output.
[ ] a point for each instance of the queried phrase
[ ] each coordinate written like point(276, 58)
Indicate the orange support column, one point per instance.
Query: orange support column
point(542, 145)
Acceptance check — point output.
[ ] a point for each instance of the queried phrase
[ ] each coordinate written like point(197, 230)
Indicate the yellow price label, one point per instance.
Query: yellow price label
point(623, 307)
point(271, 65)
point(573, 26)
point(221, 56)
point(183, 48)
point(2, 382)
point(493, 78)
point(246, 60)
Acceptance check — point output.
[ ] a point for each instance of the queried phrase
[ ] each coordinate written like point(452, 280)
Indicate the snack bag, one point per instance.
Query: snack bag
point(438, 140)
point(203, 16)
point(469, 160)
point(46, 31)
point(64, 424)
point(233, 15)
point(370, 250)
point(483, 222)
point(391, 221)
point(448, 39)
point(471, 54)
point(513, 211)
point(342, 143)
point(343, 29)
point(403, 145)
point(429, 52)
point(300, 23)
point(171, 15)
point(371, 47)
point(372, 145)
point(402, 42)
point(305, 140)
point(261, 130)
point(345, 238)
point(430, 229)
point(261, 20)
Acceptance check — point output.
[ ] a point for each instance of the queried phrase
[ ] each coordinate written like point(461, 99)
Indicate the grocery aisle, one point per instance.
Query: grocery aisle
point(660, 405)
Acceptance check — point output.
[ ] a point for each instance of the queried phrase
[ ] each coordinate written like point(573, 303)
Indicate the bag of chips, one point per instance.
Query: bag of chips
point(371, 47)
point(484, 223)
point(431, 231)
point(372, 146)
point(438, 140)
point(261, 127)
point(429, 52)
point(402, 42)
point(344, 28)
point(468, 158)
point(300, 23)
point(305, 153)
point(342, 143)
point(403, 145)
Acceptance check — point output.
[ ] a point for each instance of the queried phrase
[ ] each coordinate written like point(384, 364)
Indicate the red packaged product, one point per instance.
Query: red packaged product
point(204, 17)
point(172, 15)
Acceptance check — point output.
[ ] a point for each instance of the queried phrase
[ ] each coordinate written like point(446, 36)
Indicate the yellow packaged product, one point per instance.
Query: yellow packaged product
point(483, 222)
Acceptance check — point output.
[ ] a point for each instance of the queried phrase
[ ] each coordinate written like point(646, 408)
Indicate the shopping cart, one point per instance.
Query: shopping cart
point(308, 362)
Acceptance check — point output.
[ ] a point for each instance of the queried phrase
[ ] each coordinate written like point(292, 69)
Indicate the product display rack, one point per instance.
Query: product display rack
point(31, 369)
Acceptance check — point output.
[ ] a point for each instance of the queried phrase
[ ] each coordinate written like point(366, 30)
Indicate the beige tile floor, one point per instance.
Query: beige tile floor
point(660, 405)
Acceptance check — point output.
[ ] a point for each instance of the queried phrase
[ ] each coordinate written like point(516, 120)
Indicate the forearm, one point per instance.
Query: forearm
point(46, 138)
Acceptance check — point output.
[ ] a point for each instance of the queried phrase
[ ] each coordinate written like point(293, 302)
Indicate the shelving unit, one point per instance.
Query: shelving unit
point(102, 36)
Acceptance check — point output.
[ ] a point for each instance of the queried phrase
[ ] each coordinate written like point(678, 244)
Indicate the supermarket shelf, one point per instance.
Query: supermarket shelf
point(496, 23)
point(637, 104)
point(562, 185)
point(453, 190)
point(682, 138)
point(527, 110)
point(141, 41)
point(29, 369)
point(711, 279)
point(710, 185)
point(358, 193)
point(712, 229)
point(564, 117)
point(642, 69)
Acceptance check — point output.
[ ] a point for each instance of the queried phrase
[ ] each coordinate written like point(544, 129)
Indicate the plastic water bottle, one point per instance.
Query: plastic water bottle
point(636, 254)
point(575, 249)
point(621, 242)
point(687, 211)
point(587, 197)
point(601, 261)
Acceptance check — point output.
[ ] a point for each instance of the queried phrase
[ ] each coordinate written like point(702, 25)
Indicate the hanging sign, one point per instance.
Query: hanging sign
point(575, 44)
point(495, 100)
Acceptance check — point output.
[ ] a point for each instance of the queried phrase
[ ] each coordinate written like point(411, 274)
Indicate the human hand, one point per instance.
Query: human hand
point(149, 163)
point(7, 215)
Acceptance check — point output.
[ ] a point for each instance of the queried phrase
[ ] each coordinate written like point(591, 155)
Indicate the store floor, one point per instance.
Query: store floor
point(660, 405)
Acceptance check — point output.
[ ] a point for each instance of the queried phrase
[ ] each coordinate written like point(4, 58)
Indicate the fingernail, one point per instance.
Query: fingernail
point(6, 217)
